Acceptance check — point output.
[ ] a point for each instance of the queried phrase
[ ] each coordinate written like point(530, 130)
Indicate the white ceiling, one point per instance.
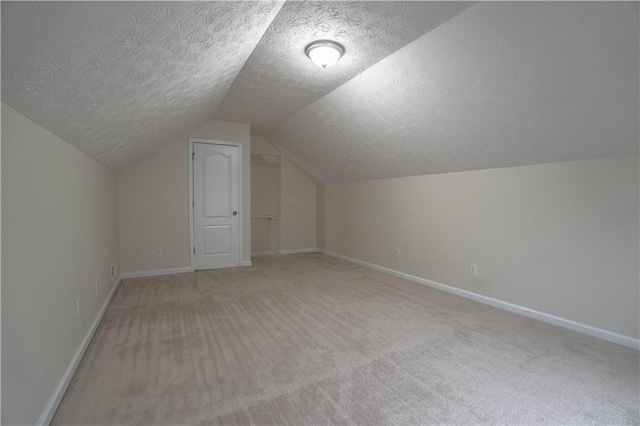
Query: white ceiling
point(491, 85)
point(278, 80)
point(501, 84)
point(119, 80)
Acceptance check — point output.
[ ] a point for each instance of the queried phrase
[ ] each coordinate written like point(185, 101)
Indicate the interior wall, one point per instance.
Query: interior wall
point(60, 234)
point(297, 200)
point(154, 201)
point(560, 238)
point(265, 203)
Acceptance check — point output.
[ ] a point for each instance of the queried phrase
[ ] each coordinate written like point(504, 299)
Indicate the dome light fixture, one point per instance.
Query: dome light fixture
point(324, 53)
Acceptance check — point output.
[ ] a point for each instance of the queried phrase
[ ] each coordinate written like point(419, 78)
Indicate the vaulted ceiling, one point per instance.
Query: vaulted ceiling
point(424, 87)
point(278, 80)
point(502, 84)
point(119, 80)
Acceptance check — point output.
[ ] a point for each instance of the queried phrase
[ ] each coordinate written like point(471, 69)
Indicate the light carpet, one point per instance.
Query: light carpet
point(309, 339)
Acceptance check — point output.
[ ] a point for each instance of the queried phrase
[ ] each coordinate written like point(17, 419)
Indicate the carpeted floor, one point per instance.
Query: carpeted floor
point(309, 339)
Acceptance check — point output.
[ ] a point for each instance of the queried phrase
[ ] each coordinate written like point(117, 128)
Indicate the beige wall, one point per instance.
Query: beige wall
point(60, 233)
point(298, 209)
point(154, 201)
point(265, 203)
point(297, 200)
point(559, 238)
point(265, 185)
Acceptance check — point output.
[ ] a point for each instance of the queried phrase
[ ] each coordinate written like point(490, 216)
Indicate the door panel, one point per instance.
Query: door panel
point(217, 240)
point(216, 180)
point(217, 185)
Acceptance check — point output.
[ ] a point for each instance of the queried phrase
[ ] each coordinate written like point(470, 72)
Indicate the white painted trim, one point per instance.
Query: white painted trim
point(246, 263)
point(262, 253)
point(240, 196)
point(191, 236)
point(63, 384)
point(296, 251)
point(156, 272)
point(599, 333)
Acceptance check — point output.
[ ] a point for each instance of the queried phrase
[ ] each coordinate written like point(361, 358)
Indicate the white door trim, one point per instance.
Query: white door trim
point(240, 199)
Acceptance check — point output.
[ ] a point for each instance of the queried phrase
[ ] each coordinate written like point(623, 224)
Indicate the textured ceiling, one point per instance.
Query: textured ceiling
point(501, 84)
point(119, 80)
point(278, 79)
point(491, 85)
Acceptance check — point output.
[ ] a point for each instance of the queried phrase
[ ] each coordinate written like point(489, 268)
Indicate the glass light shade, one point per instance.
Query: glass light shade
point(324, 53)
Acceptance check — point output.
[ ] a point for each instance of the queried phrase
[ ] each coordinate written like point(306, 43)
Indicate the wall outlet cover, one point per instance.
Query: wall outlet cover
point(473, 269)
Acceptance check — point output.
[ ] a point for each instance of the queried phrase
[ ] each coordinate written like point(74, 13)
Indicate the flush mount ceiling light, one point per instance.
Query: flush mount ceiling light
point(324, 53)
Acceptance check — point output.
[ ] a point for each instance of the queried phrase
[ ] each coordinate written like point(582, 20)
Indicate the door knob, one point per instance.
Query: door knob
point(235, 213)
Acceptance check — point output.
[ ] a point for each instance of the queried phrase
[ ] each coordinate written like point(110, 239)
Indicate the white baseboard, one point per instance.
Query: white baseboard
point(296, 251)
point(170, 271)
point(262, 253)
point(599, 333)
point(63, 384)
point(155, 273)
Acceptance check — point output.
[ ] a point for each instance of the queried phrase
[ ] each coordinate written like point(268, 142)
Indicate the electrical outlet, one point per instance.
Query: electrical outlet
point(158, 252)
point(396, 253)
point(97, 286)
point(473, 269)
point(78, 306)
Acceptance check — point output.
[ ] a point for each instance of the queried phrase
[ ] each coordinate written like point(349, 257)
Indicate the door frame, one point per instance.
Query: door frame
point(240, 199)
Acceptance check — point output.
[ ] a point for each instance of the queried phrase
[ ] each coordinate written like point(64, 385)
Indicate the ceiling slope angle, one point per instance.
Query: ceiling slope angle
point(279, 80)
point(501, 84)
point(119, 80)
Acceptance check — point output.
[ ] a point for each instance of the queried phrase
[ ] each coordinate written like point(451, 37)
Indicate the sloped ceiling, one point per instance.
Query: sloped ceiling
point(278, 80)
point(119, 80)
point(425, 87)
point(501, 84)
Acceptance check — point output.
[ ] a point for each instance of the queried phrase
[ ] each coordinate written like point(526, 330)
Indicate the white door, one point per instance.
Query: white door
point(216, 202)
